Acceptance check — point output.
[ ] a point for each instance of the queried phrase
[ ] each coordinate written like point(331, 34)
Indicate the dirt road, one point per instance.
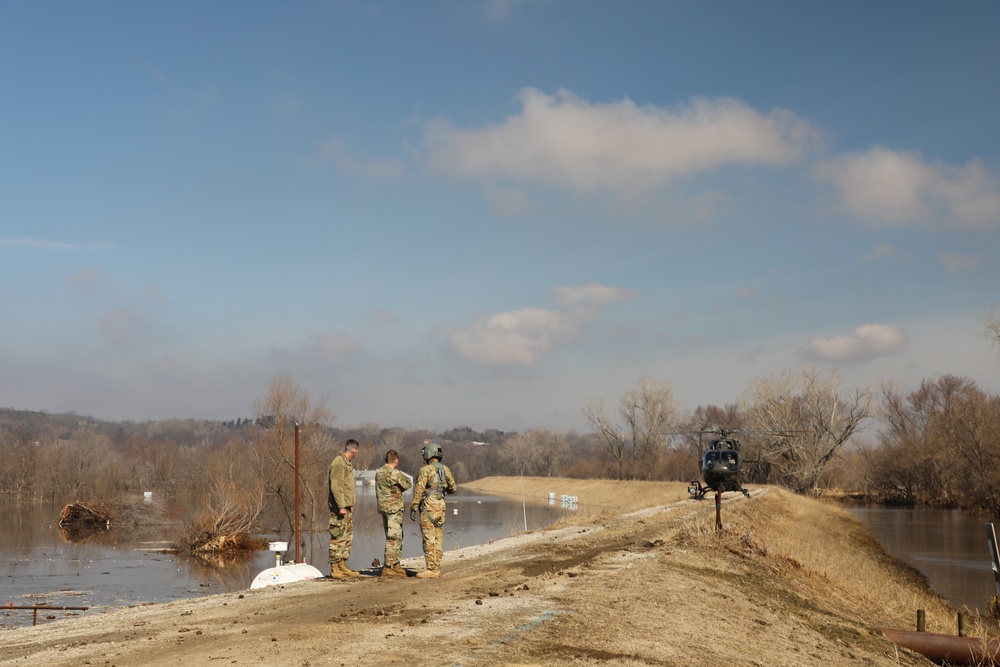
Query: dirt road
point(651, 587)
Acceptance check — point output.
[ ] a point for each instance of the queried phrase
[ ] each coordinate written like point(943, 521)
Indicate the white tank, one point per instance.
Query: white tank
point(285, 574)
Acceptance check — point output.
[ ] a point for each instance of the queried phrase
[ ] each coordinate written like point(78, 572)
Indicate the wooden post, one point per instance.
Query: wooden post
point(298, 535)
point(921, 624)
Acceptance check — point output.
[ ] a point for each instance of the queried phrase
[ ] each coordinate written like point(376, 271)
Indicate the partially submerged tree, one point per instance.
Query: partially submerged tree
point(235, 499)
point(273, 447)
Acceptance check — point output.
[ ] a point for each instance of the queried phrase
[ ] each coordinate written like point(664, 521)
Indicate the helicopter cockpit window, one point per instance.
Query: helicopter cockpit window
point(711, 456)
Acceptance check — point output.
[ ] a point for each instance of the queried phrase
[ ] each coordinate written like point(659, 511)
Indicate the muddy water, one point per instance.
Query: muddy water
point(948, 546)
point(40, 565)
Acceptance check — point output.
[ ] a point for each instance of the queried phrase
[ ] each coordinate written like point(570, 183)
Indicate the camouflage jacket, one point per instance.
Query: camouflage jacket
point(433, 481)
point(389, 486)
point(341, 483)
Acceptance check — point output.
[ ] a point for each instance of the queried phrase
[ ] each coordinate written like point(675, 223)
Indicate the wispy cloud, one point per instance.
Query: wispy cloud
point(882, 250)
point(902, 188)
point(868, 342)
point(956, 263)
point(43, 244)
point(335, 347)
point(91, 281)
point(334, 150)
point(620, 147)
point(523, 337)
point(119, 325)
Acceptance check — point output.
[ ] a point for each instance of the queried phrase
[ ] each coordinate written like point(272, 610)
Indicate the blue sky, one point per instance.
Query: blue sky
point(454, 213)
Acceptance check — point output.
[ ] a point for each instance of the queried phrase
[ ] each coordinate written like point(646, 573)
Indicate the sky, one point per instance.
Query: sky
point(488, 213)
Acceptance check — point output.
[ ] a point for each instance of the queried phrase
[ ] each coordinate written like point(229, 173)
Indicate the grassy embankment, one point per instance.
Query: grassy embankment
point(836, 554)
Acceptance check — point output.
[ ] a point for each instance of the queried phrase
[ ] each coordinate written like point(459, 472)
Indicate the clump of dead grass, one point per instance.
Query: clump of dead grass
point(838, 549)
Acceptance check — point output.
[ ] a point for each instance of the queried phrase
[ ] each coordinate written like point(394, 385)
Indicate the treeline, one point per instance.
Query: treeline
point(938, 445)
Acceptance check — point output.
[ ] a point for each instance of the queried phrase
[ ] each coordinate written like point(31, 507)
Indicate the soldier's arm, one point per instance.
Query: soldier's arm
point(450, 486)
point(418, 492)
point(338, 485)
point(403, 481)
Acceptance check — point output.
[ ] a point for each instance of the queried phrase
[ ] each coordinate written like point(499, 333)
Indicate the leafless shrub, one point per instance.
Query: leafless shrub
point(226, 524)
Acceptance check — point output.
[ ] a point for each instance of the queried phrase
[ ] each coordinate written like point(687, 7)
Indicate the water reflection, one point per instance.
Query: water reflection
point(110, 569)
point(948, 546)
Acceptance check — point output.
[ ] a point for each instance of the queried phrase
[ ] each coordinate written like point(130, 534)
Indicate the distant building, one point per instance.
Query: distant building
point(367, 477)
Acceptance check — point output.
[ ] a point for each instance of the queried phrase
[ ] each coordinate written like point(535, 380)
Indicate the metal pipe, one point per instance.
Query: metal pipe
point(948, 648)
point(35, 607)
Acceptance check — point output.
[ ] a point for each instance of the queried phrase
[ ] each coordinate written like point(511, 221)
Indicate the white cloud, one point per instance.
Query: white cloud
point(566, 141)
point(868, 342)
point(522, 337)
point(901, 188)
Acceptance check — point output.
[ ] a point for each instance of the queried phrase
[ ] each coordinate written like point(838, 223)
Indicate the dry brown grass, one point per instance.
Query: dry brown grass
point(785, 531)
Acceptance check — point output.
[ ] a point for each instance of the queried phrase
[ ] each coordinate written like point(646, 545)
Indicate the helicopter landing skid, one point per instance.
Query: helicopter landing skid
point(698, 490)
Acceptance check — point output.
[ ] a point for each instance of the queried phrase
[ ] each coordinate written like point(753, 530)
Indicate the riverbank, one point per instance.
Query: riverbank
point(638, 577)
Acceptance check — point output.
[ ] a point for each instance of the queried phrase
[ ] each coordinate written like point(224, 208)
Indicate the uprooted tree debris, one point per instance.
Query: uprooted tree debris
point(81, 519)
point(78, 517)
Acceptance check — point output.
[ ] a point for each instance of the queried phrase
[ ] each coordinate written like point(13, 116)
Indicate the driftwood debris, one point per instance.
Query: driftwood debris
point(78, 517)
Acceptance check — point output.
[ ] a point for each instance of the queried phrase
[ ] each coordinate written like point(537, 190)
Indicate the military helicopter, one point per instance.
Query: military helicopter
point(720, 466)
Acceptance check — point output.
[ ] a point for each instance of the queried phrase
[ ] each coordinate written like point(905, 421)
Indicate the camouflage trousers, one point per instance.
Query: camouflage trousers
point(392, 523)
point(341, 536)
point(432, 535)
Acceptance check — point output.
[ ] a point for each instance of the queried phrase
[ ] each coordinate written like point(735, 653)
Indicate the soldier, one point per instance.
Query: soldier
point(433, 481)
point(389, 486)
point(341, 502)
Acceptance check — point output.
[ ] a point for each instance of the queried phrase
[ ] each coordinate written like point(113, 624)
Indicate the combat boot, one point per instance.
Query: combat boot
point(429, 574)
point(394, 571)
point(335, 572)
point(342, 565)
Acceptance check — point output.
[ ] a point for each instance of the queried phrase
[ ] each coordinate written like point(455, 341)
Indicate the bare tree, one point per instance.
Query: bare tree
point(273, 446)
point(991, 326)
point(552, 451)
point(235, 500)
point(809, 418)
point(638, 441)
point(520, 455)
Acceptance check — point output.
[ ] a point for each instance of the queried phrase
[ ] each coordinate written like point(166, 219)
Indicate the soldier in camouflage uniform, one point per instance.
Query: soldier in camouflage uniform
point(433, 481)
point(389, 486)
point(341, 502)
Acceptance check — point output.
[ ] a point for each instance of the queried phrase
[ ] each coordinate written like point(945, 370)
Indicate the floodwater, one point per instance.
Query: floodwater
point(39, 565)
point(948, 546)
